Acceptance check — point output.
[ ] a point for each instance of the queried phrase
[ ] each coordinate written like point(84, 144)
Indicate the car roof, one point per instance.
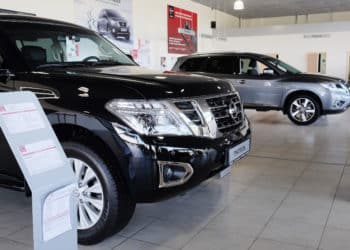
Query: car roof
point(225, 53)
point(21, 18)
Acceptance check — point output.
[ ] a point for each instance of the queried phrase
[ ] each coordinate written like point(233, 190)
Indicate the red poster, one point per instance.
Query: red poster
point(182, 31)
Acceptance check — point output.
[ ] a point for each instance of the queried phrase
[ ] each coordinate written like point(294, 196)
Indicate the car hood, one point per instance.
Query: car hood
point(148, 83)
point(315, 78)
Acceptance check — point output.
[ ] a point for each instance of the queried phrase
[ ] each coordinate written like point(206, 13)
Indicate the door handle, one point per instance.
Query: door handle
point(241, 81)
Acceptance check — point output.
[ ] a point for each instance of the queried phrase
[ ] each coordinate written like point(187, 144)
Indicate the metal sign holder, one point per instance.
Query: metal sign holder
point(45, 168)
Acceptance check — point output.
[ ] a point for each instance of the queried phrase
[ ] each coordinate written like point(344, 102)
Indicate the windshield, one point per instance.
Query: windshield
point(112, 13)
point(62, 46)
point(282, 66)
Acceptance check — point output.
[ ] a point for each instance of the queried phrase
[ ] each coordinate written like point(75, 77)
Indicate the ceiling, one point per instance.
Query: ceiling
point(274, 8)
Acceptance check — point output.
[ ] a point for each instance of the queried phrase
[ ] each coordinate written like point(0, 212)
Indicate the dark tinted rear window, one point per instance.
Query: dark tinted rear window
point(220, 65)
point(193, 65)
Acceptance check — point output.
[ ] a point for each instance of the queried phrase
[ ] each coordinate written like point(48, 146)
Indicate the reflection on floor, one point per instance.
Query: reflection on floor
point(291, 193)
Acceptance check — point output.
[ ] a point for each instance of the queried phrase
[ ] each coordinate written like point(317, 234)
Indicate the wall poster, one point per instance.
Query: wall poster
point(182, 31)
point(111, 18)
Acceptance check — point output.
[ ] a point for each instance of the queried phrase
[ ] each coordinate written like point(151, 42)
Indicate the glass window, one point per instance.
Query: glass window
point(253, 67)
point(45, 47)
point(192, 65)
point(220, 65)
point(282, 66)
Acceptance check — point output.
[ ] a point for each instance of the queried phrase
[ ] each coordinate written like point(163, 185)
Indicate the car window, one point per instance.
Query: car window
point(220, 65)
point(192, 65)
point(59, 46)
point(45, 43)
point(253, 67)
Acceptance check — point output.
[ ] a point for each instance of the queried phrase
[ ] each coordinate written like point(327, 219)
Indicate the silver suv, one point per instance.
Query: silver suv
point(266, 83)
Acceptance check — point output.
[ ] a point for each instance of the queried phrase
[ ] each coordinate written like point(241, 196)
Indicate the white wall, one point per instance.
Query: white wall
point(293, 48)
point(300, 19)
point(55, 9)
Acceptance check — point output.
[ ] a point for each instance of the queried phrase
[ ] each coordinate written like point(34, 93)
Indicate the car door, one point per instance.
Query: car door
point(258, 84)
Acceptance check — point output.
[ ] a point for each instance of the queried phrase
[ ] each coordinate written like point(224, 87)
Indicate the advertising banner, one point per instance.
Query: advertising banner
point(111, 18)
point(182, 31)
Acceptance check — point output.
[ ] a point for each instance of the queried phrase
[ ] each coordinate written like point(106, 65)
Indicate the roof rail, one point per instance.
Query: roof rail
point(14, 12)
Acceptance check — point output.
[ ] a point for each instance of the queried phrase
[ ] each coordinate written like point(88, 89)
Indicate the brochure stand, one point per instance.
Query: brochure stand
point(45, 168)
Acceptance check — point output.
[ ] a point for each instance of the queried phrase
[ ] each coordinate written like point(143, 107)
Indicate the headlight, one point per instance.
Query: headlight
point(149, 117)
point(329, 85)
point(337, 87)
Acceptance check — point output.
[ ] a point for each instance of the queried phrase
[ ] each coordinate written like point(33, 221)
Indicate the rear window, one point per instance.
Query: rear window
point(220, 65)
point(193, 65)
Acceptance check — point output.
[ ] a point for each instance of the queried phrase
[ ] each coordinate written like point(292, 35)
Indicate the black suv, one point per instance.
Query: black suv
point(132, 135)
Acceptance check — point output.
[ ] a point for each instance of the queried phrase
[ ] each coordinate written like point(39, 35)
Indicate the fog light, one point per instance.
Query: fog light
point(338, 104)
point(173, 173)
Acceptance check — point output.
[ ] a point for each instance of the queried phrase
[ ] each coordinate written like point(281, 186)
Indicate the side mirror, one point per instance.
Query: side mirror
point(5, 75)
point(268, 72)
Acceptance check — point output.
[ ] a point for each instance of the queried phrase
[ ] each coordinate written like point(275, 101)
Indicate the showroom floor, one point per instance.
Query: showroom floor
point(292, 193)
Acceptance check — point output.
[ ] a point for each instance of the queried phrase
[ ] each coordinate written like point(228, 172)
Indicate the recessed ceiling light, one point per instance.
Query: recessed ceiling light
point(238, 5)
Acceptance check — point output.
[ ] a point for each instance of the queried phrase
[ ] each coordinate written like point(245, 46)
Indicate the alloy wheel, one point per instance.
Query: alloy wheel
point(91, 199)
point(302, 109)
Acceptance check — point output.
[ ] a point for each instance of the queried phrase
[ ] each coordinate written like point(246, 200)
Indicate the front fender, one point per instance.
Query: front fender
point(104, 131)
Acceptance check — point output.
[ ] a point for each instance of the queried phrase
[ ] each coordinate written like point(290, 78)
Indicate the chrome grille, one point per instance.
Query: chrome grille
point(188, 108)
point(228, 112)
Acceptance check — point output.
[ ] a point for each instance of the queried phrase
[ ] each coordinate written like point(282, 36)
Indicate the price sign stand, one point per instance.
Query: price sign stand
point(45, 168)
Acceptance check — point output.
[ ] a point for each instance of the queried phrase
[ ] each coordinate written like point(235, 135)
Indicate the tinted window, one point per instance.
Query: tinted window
point(112, 13)
point(221, 65)
point(193, 65)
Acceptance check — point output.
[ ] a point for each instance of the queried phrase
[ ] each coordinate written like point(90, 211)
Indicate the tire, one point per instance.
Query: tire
point(127, 37)
point(308, 112)
point(117, 205)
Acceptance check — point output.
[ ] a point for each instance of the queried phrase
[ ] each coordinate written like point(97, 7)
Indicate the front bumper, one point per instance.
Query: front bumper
point(206, 156)
point(120, 31)
point(337, 103)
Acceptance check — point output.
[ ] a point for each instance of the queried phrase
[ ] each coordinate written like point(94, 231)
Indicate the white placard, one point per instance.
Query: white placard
point(21, 117)
point(56, 213)
point(40, 157)
point(73, 49)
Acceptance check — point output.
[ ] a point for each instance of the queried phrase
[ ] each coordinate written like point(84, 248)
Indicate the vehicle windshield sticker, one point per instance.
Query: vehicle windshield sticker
point(73, 49)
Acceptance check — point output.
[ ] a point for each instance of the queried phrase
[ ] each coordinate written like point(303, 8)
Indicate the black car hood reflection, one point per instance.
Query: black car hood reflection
point(151, 84)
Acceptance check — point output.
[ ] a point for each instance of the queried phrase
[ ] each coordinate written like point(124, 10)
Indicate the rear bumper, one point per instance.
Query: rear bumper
point(206, 157)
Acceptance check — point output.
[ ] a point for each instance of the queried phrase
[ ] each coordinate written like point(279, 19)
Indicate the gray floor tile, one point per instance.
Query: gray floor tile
point(6, 244)
point(107, 244)
point(335, 239)
point(293, 232)
point(263, 244)
point(139, 245)
point(340, 215)
point(165, 234)
point(219, 240)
